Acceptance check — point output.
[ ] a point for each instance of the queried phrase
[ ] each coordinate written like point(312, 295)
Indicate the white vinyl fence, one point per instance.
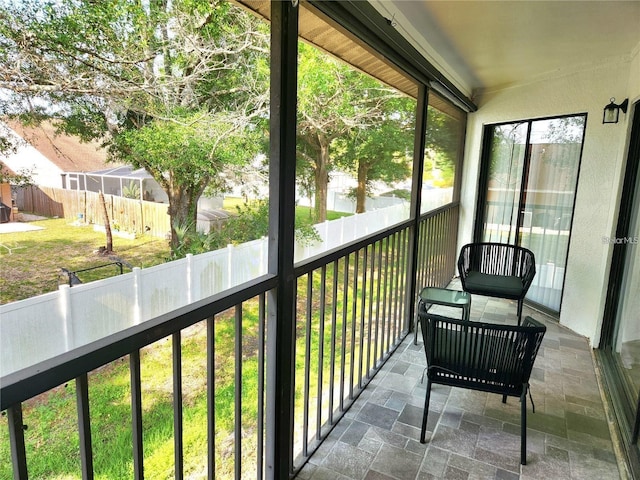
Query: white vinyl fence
point(39, 328)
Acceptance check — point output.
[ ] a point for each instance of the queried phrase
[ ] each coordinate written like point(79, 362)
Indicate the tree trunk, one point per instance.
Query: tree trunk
point(107, 224)
point(322, 183)
point(361, 190)
point(183, 214)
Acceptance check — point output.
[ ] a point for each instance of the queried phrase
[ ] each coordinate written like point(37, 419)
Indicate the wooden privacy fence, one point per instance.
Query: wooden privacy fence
point(126, 214)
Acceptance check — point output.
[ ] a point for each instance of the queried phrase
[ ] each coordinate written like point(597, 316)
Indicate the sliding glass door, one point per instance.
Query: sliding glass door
point(619, 349)
point(528, 182)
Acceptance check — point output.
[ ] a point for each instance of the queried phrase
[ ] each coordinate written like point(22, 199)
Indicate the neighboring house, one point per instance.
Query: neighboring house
point(49, 155)
point(63, 161)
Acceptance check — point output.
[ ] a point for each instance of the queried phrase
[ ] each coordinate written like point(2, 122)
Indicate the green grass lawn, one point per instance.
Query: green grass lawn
point(304, 215)
point(51, 436)
point(33, 266)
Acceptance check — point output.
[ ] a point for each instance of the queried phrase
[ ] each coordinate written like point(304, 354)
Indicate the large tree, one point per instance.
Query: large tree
point(381, 151)
point(333, 100)
point(173, 86)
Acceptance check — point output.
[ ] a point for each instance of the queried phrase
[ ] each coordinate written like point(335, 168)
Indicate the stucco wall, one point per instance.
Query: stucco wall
point(585, 90)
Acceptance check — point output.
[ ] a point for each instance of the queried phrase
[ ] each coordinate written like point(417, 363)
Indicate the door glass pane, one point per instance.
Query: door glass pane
point(627, 321)
point(532, 177)
point(506, 162)
point(547, 211)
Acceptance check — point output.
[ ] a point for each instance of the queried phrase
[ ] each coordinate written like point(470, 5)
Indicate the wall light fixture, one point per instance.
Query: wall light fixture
point(612, 111)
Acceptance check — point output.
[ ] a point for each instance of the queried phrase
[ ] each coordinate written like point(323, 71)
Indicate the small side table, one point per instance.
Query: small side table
point(441, 296)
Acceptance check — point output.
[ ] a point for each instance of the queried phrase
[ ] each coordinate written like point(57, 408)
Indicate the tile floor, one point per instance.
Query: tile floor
point(473, 435)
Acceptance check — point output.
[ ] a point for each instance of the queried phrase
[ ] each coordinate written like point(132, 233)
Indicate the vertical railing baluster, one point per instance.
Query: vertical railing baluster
point(363, 310)
point(424, 261)
point(433, 241)
point(370, 314)
point(443, 248)
point(334, 326)
point(443, 245)
point(345, 300)
point(84, 426)
point(352, 364)
point(388, 271)
point(177, 405)
point(404, 282)
point(438, 250)
point(136, 414)
point(392, 277)
point(307, 366)
point(399, 294)
point(422, 256)
point(379, 300)
point(211, 395)
point(397, 271)
point(237, 433)
point(16, 440)
point(401, 323)
point(321, 319)
point(453, 221)
point(419, 273)
point(430, 253)
point(261, 376)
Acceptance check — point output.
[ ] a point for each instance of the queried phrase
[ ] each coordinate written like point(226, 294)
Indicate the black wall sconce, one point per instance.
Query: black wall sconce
point(612, 111)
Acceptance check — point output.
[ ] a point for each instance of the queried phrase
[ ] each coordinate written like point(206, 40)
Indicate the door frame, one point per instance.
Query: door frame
point(619, 393)
point(483, 182)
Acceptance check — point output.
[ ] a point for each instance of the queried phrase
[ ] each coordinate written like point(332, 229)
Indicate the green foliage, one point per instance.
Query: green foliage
point(22, 178)
point(348, 119)
point(382, 151)
point(442, 147)
point(183, 154)
point(307, 234)
point(250, 222)
point(190, 241)
point(132, 190)
point(179, 88)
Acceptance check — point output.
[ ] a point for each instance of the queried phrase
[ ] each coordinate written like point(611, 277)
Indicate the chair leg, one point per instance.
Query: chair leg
point(520, 302)
point(523, 427)
point(423, 432)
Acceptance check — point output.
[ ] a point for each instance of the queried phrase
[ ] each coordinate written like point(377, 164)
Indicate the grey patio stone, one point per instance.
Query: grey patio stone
point(473, 435)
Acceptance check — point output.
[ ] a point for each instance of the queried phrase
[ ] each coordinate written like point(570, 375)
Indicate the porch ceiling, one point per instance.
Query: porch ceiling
point(487, 45)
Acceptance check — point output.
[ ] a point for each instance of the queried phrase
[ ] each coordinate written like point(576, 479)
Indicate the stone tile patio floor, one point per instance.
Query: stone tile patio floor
point(473, 435)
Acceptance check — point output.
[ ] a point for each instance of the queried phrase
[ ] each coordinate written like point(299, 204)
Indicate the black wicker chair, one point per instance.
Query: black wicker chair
point(497, 270)
point(481, 356)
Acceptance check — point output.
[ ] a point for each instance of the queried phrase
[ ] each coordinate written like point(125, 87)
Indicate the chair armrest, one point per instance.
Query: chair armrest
point(529, 271)
point(532, 322)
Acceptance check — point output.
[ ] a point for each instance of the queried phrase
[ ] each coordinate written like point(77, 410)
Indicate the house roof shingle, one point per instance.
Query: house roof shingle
point(67, 152)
